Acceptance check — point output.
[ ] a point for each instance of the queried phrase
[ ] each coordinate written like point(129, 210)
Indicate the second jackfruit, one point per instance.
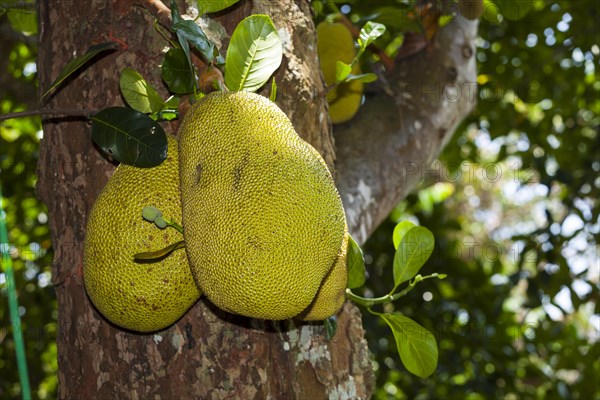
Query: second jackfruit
point(141, 296)
point(263, 222)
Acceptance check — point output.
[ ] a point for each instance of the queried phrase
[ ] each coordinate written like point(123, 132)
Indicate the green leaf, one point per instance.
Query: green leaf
point(414, 249)
point(188, 31)
point(342, 70)
point(365, 78)
point(150, 213)
point(330, 327)
point(175, 15)
point(400, 230)
point(185, 46)
point(210, 6)
point(356, 265)
point(254, 53)
point(176, 72)
point(78, 62)
point(154, 255)
point(370, 31)
point(416, 345)
point(23, 20)
point(514, 10)
point(172, 102)
point(169, 110)
point(490, 12)
point(138, 93)
point(129, 136)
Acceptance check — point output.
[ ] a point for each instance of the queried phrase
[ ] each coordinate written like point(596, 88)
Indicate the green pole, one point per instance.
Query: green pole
point(13, 305)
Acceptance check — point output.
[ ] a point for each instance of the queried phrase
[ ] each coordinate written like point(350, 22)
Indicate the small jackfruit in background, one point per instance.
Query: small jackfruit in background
point(335, 43)
point(140, 296)
point(263, 221)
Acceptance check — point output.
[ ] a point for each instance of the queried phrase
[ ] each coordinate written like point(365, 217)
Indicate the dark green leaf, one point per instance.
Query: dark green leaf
point(138, 93)
point(176, 72)
point(400, 230)
point(414, 249)
point(416, 345)
point(185, 46)
point(129, 136)
point(330, 327)
point(175, 15)
point(78, 62)
point(254, 53)
point(187, 30)
point(210, 6)
point(154, 255)
point(356, 265)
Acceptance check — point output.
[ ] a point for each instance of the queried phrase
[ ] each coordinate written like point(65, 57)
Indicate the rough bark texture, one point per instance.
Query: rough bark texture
point(389, 146)
point(209, 354)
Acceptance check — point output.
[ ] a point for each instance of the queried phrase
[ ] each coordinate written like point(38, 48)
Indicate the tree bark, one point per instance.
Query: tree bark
point(390, 145)
point(209, 354)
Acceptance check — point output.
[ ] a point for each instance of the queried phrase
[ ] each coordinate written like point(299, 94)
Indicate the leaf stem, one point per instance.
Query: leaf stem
point(388, 298)
point(66, 112)
point(164, 35)
point(367, 302)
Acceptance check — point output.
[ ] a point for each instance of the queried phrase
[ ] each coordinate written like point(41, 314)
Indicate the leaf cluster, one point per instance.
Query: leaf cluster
point(414, 244)
point(133, 135)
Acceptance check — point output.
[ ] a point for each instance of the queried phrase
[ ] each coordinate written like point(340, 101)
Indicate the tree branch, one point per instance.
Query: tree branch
point(157, 8)
point(389, 146)
point(66, 112)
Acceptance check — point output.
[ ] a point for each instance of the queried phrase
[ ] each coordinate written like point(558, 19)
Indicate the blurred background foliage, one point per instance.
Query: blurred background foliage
point(512, 201)
point(26, 217)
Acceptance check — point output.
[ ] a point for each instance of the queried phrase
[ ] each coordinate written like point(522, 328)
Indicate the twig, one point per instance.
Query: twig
point(65, 112)
point(157, 8)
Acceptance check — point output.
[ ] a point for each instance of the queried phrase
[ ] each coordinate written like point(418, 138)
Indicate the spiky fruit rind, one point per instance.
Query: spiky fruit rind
point(140, 296)
point(263, 221)
point(332, 293)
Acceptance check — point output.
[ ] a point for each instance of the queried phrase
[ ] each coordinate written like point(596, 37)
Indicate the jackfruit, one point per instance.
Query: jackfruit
point(263, 221)
point(140, 296)
point(335, 43)
point(332, 293)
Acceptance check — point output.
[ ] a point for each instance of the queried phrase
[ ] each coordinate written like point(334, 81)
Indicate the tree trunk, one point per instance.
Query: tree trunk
point(208, 354)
